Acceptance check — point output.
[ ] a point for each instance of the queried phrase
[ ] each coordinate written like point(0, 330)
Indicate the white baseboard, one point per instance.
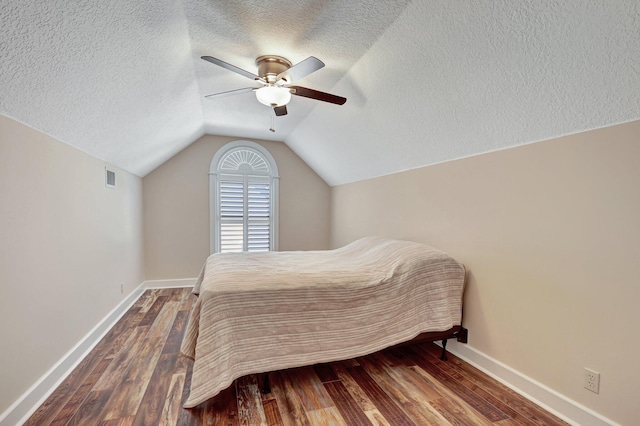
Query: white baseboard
point(552, 401)
point(20, 411)
point(176, 283)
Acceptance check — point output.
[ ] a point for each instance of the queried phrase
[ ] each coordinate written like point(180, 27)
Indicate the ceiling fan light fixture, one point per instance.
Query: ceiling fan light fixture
point(276, 74)
point(273, 96)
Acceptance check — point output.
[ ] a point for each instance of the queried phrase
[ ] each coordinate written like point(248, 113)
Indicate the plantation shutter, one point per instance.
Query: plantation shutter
point(245, 213)
point(258, 214)
point(231, 215)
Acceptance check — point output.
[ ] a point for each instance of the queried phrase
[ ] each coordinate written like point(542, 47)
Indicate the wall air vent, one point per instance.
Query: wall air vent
point(109, 178)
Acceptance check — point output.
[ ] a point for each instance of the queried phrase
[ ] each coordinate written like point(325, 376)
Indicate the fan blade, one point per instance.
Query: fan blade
point(315, 94)
point(230, 67)
point(230, 92)
point(281, 110)
point(301, 69)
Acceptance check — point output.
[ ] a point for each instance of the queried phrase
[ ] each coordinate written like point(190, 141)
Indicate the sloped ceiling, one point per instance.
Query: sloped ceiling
point(426, 81)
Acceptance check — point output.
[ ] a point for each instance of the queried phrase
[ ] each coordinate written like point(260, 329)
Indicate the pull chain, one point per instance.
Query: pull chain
point(272, 129)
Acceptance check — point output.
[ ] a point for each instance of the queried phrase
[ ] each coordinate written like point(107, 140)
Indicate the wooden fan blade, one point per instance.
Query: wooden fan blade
point(230, 67)
point(301, 69)
point(315, 94)
point(280, 110)
point(230, 92)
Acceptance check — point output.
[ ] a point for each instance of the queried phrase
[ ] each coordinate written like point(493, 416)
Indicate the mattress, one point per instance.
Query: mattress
point(259, 312)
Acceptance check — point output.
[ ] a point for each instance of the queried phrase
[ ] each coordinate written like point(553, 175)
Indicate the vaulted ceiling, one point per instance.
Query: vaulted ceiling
point(427, 81)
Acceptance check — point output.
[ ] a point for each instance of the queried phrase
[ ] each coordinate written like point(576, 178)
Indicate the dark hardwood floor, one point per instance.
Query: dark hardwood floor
point(136, 376)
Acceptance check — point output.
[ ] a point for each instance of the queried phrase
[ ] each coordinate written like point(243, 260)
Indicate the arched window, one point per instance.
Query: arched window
point(243, 198)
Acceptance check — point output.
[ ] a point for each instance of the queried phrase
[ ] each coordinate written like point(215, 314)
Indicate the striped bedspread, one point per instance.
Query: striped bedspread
point(259, 312)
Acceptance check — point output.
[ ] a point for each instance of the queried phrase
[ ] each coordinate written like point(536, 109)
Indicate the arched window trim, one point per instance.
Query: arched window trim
point(214, 176)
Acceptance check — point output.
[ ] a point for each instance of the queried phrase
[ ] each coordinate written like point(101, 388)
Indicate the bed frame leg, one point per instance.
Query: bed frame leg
point(463, 335)
point(443, 357)
point(266, 386)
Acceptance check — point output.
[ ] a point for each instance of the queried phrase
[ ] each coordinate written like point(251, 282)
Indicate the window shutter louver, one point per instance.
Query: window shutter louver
point(258, 213)
point(245, 204)
point(231, 216)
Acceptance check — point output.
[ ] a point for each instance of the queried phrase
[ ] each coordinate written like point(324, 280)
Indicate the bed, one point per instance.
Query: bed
point(260, 312)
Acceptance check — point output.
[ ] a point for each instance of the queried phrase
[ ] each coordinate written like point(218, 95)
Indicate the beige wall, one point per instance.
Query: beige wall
point(66, 245)
point(176, 208)
point(550, 234)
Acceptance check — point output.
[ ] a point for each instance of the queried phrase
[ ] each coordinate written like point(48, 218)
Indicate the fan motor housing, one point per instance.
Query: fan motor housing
point(272, 65)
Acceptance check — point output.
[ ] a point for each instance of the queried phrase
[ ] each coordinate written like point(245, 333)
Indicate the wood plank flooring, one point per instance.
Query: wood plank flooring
point(137, 376)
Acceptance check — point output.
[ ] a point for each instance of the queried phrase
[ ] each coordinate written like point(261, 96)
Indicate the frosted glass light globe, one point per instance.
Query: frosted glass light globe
point(273, 95)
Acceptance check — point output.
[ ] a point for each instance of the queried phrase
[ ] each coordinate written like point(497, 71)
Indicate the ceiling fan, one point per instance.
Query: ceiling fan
point(276, 74)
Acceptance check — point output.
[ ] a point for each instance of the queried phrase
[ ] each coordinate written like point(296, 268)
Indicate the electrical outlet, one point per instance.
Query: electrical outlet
point(121, 288)
point(592, 380)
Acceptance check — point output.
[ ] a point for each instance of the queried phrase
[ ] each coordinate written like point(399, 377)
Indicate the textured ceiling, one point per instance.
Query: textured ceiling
point(451, 79)
point(113, 78)
point(426, 81)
